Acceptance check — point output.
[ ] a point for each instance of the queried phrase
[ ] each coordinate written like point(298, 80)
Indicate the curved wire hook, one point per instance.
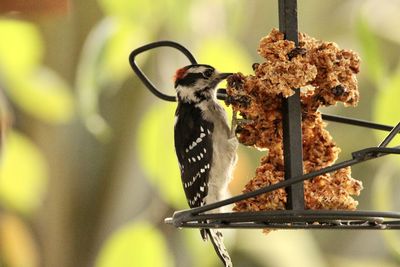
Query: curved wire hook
point(145, 80)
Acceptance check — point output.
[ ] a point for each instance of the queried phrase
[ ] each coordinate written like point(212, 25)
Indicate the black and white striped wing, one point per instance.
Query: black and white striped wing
point(193, 146)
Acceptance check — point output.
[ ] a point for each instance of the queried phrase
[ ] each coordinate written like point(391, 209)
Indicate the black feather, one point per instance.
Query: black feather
point(193, 147)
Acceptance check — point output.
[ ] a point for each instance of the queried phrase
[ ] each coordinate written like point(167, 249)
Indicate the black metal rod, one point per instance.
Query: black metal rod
point(357, 122)
point(390, 136)
point(288, 19)
point(374, 152)
point(291, 114)
point(290, 219)
point(363, 155)
point(308, 226)
point(295, 216)
point(145, 80)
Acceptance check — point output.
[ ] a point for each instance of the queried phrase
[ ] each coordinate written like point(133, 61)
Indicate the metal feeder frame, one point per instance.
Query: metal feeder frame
point(295, 216)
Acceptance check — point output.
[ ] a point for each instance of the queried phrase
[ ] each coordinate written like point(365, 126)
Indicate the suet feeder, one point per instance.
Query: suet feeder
point(295, 215)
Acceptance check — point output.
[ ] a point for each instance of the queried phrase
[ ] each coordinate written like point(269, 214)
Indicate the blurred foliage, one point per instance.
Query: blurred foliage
point(386, 111)
point(224, 54)
point(385, 199)
point(156, 153)
point(36, 89)
point(23, 174)
point(385, 106)
point(371, 57)
point(103, 64)
point(62, 193)
point(136, 244)
point(18, 247)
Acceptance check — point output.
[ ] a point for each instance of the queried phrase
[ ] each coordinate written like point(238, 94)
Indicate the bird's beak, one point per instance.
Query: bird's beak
point(223, 76)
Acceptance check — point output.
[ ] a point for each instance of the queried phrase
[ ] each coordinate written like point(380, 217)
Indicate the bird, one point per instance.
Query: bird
point(205, 144)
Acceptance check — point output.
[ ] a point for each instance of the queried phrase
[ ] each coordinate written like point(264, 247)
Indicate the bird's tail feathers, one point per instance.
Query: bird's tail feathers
point(203, 233)
point(218, 243)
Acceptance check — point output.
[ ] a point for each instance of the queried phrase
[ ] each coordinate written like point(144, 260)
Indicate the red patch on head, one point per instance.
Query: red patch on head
point(179, 74)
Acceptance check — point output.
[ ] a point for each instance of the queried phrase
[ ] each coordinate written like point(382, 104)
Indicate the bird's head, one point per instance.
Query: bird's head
point(195, 83)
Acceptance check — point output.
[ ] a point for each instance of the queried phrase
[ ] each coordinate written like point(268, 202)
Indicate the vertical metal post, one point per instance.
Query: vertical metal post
point(291, 111)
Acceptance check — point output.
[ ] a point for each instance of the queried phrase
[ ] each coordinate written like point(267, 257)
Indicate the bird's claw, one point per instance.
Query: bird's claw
point(238, 123)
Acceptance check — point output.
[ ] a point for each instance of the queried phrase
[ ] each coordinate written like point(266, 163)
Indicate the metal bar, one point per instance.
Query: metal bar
point(294, 216)
point(288, 19)
point(374, 152)
point(390, 136)
point(291, 111)
point(357, 122)
point(289, 219)
point(309, 226)
point(145, 80)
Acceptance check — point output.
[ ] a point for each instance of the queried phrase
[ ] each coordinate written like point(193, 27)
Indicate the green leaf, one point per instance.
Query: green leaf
point(23, 174)
point(155, 148)
point(137, 244)
point(21, 49)
point(371, 55)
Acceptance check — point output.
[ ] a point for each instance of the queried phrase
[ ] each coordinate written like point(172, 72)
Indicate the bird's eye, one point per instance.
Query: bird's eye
point(207, 74)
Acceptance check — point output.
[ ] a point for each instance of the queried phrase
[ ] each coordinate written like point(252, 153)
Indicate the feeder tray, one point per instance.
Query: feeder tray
point(295, 216)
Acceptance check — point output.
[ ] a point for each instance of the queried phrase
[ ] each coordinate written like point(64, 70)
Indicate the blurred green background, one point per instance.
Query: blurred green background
point(87, 168)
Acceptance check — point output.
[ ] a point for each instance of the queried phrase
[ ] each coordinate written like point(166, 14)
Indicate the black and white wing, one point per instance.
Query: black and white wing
point(193, 146)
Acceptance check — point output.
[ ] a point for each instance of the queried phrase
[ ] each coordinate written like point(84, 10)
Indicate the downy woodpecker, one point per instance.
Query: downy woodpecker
point(204, 143)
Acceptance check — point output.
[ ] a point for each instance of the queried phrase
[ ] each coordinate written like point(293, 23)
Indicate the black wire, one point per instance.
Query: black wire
point(357, 122)
point(390, 136)
point(146, 81)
